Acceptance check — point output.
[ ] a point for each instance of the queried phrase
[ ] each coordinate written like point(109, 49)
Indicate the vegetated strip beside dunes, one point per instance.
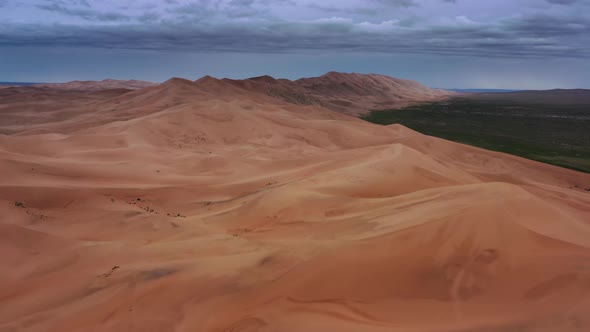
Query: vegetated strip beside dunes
point(548, 126)
point(201, 206)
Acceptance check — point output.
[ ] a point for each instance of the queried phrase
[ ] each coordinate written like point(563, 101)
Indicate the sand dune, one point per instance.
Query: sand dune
point(107, 84)
point(349, 93)
point(210, 206)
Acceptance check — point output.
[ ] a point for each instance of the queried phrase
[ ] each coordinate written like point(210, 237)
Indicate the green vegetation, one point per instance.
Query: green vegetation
point(557, 134)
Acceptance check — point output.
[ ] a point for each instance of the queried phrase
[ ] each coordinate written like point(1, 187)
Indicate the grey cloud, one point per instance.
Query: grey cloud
point(363, 11)
point(549, 26)
point(202, 9)
point(252, 8)
point(242, 3)
point(369, 8)
point(85, 13)
point(212, 26)
point(83, 3)
point(149, 17)
point(194, 10)
point(398, 3)
point(532, 36)
point(562, 2)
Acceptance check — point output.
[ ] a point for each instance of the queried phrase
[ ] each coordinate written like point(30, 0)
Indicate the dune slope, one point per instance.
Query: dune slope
point(206, 206)
point(107, 84)
point(349, 93)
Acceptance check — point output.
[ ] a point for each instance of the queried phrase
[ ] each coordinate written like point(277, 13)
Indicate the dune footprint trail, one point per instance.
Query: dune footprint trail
point(205, 206)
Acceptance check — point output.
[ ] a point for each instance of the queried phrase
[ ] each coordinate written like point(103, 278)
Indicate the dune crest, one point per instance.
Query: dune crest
point(349, 93)
point(213, 205)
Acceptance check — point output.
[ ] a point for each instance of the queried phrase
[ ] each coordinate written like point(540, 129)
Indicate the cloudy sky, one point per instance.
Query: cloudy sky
point(534, 44)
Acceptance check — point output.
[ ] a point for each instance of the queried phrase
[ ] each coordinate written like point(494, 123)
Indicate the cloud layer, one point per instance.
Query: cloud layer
point(532, 28)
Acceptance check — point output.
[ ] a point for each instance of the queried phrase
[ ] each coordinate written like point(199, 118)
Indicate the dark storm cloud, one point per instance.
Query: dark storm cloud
point(369, 8)
point(149, 17)
point(400, 3)
point(526, 37)
point(254, 26)
point(362, 11)
point(65, 7)
point(548, 26)
point(232, 9)
point(562, 2)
